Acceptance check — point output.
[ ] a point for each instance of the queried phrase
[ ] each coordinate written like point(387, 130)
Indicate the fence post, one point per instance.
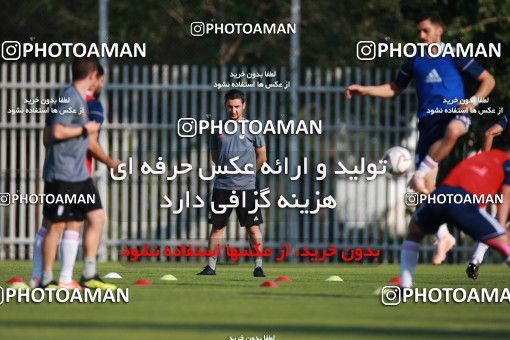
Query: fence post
point(293, 227)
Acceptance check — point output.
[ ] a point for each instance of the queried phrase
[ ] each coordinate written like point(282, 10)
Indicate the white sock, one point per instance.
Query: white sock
point(69, 245)
point(37, 260)
point(258, 262)
point(212, 262)
point(47, 277)
point(479, 253)
point(89, 267)
point(408, 259)
point(426, 165)
point(443, 231)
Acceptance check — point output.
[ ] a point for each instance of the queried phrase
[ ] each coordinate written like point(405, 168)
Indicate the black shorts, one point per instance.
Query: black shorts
point(222, 196)
point(71, 201)
point(432, 128)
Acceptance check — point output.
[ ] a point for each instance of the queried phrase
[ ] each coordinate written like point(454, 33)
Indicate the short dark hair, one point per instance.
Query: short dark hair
point(81, 67)
point(434, 18)
point(100, 70)
point(234, 94)
point(502, 142)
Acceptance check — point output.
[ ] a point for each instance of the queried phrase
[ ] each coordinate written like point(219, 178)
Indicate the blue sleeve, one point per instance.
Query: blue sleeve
point(213, 142)
point(96, 112)
point(506, 170)
point(405, 73)
point(503, 121)
point(468, 65)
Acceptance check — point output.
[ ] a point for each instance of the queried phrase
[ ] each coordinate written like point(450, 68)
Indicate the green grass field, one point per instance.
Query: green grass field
point(231, 304)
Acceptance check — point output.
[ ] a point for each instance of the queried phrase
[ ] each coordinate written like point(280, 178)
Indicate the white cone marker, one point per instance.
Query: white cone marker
point(168, 277)
point(112, 275)
point(334, 278)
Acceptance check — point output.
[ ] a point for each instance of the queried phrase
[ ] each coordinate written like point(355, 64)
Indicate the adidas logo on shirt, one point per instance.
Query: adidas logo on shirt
point(433, 77)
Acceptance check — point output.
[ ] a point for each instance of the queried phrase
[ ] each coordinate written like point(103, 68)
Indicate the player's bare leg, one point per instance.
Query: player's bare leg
point(91, 239)
point(214, 242)
point(444, 240)
point(50, 245)
point(431, 179)
point(502, 245)
point(256, 237)
point(418, 181)
point(444, 243)
point(437, 152)
point(442, 148)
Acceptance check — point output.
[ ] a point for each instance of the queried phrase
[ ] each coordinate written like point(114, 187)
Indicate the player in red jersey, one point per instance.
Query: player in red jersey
point(497, 129)
point(460, 200)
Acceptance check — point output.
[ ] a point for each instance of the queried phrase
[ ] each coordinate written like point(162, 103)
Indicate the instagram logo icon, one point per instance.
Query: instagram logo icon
point(11, 50)
point(365, 50)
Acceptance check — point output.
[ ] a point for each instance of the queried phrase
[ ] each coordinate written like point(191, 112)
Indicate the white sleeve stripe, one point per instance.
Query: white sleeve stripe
point(406, 74)
point(492, 220)
point(467, 65)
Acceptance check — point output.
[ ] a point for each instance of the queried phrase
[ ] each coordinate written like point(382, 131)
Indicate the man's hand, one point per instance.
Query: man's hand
point(355, 90)
point(114, 165)
point(92, 127)
point(491, 132)
point(260, 156)
point(388, 90)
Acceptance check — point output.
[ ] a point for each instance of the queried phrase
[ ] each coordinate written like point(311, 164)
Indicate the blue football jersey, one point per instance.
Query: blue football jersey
point(437, 79)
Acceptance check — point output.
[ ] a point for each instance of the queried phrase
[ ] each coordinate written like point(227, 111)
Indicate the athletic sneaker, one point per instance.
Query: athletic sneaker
point(34, 282)
point(472, 271)
point(96, 282)
point(207, 271)
point(443, 245)
point(258, 272)
point(70, 285)
point(52, 284)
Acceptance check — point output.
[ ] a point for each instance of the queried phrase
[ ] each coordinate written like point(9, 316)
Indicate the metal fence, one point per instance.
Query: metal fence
point(143, 105)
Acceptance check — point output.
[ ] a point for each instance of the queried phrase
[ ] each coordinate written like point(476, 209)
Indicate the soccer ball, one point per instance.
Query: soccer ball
point(398, 160)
